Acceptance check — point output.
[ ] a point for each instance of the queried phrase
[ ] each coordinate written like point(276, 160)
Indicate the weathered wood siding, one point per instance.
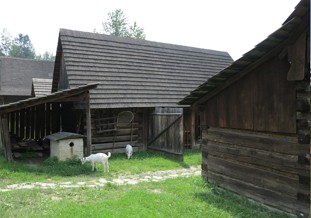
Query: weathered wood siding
point(166, 131)
point(264, 167)
point(261, 101)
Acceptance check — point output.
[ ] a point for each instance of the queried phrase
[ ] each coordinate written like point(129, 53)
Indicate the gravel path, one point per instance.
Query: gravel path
point(131, 179)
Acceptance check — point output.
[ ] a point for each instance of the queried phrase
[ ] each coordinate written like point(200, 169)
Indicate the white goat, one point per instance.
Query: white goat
point(129, 151)
point(97, 158)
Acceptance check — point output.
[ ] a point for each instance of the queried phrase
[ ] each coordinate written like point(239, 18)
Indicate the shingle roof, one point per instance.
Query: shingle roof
point(134, 73)
point(53, 97)
point(270, 46)
point(16, 75)
point(41, 87)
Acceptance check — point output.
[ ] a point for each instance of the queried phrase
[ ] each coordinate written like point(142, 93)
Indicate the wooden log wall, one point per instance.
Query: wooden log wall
point(105, 137)
point(261, 166)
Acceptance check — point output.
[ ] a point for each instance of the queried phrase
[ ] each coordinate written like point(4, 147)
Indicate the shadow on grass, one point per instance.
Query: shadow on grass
point(234, 204)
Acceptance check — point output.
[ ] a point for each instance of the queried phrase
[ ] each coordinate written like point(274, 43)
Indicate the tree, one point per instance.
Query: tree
point(22, 47)
point(117, 25)
point(136, 32)
point(47, 56)
point(6, 43)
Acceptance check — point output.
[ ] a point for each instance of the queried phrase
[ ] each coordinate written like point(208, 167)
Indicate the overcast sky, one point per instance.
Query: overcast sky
point(235, 26)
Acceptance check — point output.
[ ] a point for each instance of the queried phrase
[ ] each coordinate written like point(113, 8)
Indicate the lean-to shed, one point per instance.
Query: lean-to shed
point(16, 77)
point(143, 77)
point(25, 124)
point(257, 118)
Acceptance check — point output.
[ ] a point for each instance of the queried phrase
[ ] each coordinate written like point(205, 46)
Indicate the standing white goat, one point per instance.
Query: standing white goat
point(129, 151)
point(97, 158)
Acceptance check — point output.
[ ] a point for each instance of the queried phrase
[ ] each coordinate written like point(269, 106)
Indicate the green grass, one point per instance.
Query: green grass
point(181, 197)
point(72, 170)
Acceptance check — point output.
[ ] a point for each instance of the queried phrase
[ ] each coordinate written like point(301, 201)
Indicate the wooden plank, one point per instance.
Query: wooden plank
point(264, 196)
point(42, 120)
point(192, 127)
point(28, 123)
point(17, 121)
point(88, 124)
point(267, 142)
point(113, 138)
point(285, 163)
point(55, 117)
point(262, 178)
point(22, 123)
point(296, 56)
point(48, 118)
point(38, 121)
point(6, 137)
point(115, 150)
point(13, 122)
point(103, 146)
point(164, 130)
point(32, 122)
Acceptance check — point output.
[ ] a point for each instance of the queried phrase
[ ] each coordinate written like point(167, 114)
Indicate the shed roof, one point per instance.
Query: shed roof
point(16, 75)
point(56, 96)
point(271, 46)
point(41, 87)
point(63, 135)
point(132, 72)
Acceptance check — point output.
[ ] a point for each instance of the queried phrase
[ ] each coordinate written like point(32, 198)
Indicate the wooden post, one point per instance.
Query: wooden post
point(6, 138)
point(192, 128)
point(88, 125)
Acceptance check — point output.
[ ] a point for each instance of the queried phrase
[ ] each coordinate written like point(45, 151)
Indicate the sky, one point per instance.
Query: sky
point(234, 26)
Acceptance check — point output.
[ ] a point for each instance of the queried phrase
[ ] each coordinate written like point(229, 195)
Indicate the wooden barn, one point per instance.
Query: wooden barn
point(256, 112)
point(141, 83)
point(16, 77)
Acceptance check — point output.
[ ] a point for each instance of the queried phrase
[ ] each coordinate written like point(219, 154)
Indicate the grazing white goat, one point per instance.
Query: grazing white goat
point(129, 151)
point(97, 158)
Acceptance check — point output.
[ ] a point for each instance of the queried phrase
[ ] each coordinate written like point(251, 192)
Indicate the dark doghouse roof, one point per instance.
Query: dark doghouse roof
point(134, 73)
point(63, 135)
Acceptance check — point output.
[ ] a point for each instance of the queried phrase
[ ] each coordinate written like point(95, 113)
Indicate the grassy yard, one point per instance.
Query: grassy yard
point(180, 197)
point(53, 170)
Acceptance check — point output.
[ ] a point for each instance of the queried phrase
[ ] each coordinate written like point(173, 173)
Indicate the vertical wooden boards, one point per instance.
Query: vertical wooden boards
point(88, 125)
point(167, 131)
point(260, 101)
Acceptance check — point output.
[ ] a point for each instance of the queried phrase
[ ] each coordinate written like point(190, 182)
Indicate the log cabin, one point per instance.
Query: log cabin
point(256, 119)
point(140, 81)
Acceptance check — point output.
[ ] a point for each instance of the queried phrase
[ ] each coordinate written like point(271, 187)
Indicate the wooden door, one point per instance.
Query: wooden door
point(166, 132)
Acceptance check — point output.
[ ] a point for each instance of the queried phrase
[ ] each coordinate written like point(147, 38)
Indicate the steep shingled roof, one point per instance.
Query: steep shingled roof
point(270, 46)
point(134, 73)
point(16, 75)
point(41, 87)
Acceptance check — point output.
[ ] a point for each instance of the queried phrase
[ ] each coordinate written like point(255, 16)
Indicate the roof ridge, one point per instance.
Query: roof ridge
point(127, 40)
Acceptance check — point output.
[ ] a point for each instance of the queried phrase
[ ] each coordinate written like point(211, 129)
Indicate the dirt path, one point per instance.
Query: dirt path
point(131, 179)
